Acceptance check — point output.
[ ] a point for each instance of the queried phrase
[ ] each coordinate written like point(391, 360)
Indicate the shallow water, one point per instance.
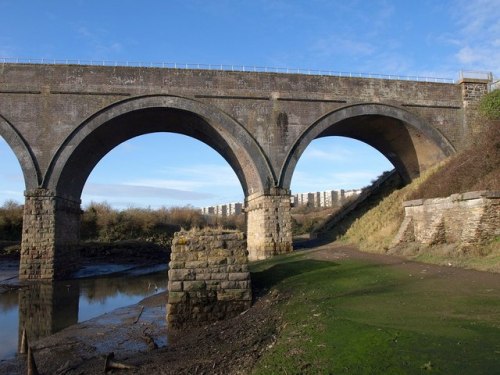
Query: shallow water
point(46, 308)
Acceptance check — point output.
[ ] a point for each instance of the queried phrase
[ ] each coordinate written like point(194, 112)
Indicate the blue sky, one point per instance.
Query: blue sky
point(424, 38)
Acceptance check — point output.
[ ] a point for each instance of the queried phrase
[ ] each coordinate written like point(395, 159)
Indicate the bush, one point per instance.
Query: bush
point(11, 221)
point(100, 222)
point(489, 106)
point(476, 168)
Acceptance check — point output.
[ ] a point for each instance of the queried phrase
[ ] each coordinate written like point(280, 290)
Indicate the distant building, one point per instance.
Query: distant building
point(235, 208)
point(327, 198)
point(228, 209)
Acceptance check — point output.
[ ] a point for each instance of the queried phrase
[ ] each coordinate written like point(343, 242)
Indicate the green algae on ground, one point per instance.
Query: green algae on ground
point(357, 317)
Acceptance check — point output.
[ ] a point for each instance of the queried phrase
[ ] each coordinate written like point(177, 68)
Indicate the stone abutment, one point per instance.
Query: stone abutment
point(208, 277)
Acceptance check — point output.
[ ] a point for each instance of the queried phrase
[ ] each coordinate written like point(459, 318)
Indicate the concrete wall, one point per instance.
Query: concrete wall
point(208, 277)
point(467, 220)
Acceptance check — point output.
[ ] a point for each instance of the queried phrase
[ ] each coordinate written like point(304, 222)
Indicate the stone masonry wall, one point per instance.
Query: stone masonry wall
point(208, 277)
point(269, 224)
point(472, 92)
point(468, 220)
point(51, 227)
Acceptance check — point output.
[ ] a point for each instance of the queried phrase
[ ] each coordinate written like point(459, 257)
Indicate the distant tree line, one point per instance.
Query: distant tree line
point(102, 223)
point(11, 221)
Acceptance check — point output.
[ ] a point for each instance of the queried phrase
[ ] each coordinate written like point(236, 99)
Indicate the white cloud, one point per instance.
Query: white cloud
point(197, 176)
point(336, 155)
point(478, 34)
point(141, 191)
point(185, 185)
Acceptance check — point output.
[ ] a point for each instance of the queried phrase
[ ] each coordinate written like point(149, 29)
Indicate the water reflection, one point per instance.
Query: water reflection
point(45, 308)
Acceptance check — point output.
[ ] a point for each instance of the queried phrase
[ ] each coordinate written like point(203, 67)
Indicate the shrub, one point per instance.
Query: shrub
point(11, 221)
point(476, 168)
point(489, 106)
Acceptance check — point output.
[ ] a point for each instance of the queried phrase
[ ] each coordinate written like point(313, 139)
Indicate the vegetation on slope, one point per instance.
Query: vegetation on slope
point(489, 105)
point(476, 168)
point(375, 229)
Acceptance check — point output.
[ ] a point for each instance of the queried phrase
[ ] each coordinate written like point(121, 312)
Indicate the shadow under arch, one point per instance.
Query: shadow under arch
point(406, 140)
point(124, 120)
point(29, 166)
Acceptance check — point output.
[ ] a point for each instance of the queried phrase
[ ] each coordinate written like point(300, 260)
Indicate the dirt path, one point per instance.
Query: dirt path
point(226, 347)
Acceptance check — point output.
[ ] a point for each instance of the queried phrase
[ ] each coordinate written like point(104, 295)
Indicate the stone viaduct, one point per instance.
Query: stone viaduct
point(60, 120)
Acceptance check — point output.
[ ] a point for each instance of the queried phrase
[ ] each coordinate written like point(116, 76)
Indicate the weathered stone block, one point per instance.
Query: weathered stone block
point(194, 285)
point(234, 295)
point(175, 286)
point(176, 297)
point(195, 264)
point(239, 276)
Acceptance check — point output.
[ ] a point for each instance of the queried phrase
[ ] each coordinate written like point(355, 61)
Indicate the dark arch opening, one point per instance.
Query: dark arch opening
point(407, 141)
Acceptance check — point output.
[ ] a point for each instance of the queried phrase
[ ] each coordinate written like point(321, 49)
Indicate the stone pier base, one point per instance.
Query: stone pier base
point(208, 277)
point(269, 224)
point(51, 228)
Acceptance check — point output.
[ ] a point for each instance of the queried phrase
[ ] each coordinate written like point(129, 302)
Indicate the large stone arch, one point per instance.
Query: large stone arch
point(86, 146)
point(53, 214)
point(19, 146)
point(408, 141)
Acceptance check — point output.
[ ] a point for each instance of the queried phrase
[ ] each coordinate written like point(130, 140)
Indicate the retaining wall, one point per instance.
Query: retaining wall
point(468, 219)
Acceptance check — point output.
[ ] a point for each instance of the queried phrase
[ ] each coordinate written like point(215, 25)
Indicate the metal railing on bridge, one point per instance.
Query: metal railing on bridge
point(222, 67)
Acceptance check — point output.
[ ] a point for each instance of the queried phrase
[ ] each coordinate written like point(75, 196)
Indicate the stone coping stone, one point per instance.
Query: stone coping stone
point(454, 197)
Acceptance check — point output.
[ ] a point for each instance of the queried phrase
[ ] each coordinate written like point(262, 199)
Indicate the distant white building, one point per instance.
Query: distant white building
point(235, 208)
point(327, 198)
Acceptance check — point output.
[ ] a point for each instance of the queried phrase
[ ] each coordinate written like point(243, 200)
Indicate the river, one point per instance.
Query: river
point(44, 308)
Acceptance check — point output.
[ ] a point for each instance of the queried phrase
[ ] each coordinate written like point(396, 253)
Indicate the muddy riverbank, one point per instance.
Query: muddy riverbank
point(137, 334)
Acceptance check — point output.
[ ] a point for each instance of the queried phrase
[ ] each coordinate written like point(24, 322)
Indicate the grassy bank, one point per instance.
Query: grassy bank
point(356, 317)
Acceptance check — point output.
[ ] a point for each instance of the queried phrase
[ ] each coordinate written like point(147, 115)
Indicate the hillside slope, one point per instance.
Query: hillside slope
point(477, 168)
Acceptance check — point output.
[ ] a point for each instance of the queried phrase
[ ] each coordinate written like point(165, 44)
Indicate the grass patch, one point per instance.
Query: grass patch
point(356, 317)
point(487, 257)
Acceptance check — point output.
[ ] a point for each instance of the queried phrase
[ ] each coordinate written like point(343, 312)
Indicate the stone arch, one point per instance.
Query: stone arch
point(19, 146)
point(86, 146)
point(406, 140)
